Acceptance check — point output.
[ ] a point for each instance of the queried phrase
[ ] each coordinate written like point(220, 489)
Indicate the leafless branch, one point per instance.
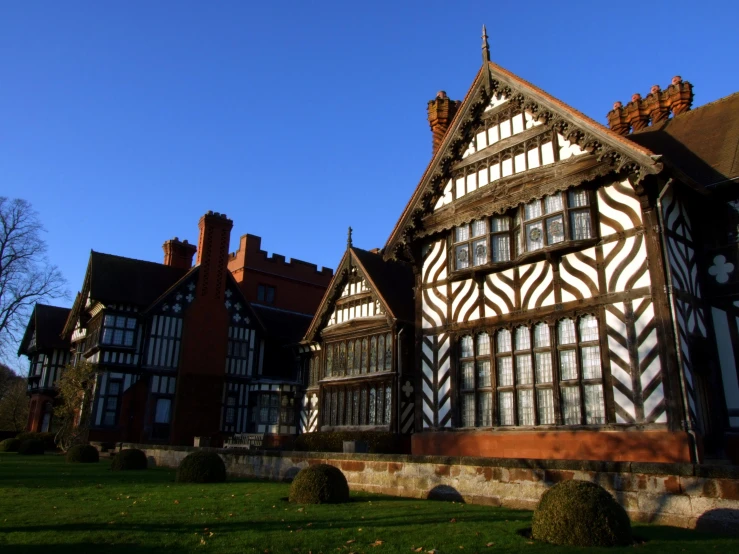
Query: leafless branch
point(26, 275)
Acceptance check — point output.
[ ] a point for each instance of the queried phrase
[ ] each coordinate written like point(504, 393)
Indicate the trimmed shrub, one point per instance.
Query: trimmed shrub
point(129, 459)
point(379, 442)
point(10, 445)
point(46, 438)
point(580, 513)
point(83, 454)
point(31, 447)
point(319, 484)
point(201, 467)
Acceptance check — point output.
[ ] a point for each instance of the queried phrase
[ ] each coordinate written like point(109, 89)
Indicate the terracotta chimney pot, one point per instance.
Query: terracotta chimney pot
point(617, 120)
point(680, 95)
point(636, 113)
point(658, 105)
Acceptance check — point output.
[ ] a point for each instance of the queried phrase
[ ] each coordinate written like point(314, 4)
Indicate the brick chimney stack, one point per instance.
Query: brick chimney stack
point(178, 253)
point(204, 347)
point(655, 108)
point(215, 232)
point(441, 111)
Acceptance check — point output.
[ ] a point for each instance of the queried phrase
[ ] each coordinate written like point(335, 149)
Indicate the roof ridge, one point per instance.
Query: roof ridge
point(131, 259)
point(257, 305)
point(706, 105)
point(612, 134)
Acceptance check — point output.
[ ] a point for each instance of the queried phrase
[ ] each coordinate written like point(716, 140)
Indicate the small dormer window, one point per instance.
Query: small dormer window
point(118, 330)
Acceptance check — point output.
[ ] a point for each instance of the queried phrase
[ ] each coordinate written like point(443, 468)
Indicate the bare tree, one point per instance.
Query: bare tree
point(26, 276)
point(14, 406)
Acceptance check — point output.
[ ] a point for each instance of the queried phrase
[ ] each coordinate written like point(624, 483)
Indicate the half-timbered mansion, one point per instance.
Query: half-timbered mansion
point(569, 298)
point(183, 351)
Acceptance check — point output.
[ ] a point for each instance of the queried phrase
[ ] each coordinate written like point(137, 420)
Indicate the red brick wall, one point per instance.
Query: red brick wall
point(299, 286)
point(612, 446)
point(204, 339)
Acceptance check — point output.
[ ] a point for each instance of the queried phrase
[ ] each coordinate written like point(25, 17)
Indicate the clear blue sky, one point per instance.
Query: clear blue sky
point(123, 122)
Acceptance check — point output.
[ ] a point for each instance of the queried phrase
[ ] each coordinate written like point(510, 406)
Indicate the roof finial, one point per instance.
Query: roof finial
point(485, 45)
point(349, 238)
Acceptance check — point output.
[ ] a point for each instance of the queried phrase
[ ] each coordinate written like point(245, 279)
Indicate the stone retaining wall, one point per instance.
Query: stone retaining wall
point(683, 495)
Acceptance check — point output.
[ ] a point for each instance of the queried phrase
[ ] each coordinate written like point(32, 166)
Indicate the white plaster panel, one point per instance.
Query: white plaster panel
point(547, 153)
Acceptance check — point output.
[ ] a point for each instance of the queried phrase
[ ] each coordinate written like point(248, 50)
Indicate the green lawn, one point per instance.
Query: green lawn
point(47, 506)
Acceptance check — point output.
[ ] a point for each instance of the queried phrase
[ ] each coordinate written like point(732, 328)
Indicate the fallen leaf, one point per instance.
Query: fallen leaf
point(301, 509)
point(419, 549)
point(176, 501)
point(351, 541)
point(202, 541)
point(453, 520)
point(490, 544)
point(377, 542)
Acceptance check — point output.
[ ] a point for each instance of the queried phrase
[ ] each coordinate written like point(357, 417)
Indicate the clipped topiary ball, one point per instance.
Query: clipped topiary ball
point(319, 484)
point(83, 454)
point(10, 445)
point(579, 513)
point(201, 467)
point(129, 459)
point(31, 447)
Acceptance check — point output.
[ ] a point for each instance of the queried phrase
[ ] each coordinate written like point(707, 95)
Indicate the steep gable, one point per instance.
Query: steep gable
point(45, 328)
point(511, 142)
point(365, 286)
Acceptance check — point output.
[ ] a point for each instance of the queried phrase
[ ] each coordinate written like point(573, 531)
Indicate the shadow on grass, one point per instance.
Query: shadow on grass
point(319, 521)
point(76, 548)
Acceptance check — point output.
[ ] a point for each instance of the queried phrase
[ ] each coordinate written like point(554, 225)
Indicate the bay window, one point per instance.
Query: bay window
point(358, 404)
point(532, 375)
point(359, 356)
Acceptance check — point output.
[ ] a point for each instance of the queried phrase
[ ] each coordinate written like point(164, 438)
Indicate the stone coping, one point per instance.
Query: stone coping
point(646, 468)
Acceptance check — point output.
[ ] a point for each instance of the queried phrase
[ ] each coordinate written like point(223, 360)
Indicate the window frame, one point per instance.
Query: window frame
point(263, 294)
point(365, 350)
point(517, 224)
point(130, 325)
point(556, 384)
point(106, 397)
point(338, 403)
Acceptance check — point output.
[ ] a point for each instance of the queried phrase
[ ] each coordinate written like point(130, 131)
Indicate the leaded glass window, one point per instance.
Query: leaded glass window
point(543, 374)
point(475, 381)
point(118, 330)
point(470, 244)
